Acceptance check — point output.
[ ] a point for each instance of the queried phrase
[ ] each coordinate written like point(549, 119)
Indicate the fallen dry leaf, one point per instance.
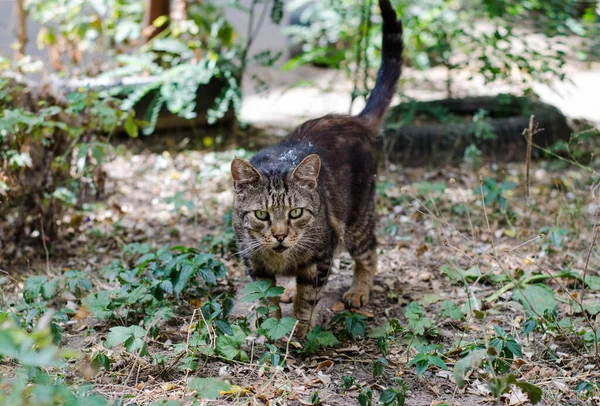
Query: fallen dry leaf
point(324, 365)
point(338, 307)
point(421, 250)
point(195, 303)
point(83, 313)
point(364, 313)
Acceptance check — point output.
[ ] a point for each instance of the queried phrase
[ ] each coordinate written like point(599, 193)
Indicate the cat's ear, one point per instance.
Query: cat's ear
point(307, 171)
point(243, 174)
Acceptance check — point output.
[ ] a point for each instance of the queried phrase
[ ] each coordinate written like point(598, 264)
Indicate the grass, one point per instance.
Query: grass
point(488, 290)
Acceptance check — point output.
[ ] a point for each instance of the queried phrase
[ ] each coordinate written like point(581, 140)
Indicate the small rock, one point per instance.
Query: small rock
point(425, 276)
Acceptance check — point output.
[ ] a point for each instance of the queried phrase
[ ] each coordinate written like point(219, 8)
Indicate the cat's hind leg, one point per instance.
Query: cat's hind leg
point(361, 243)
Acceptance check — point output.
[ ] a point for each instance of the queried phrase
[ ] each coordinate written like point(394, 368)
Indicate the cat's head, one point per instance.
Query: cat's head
point(275, 212)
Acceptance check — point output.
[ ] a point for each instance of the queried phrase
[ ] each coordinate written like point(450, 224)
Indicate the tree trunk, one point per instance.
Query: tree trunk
point(22, 28)
point(155, 9)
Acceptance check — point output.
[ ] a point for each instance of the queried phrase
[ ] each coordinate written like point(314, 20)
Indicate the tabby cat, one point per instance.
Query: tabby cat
point(297, 201)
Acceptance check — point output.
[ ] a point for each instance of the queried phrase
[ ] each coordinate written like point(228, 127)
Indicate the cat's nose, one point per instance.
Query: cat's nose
point(279, 231)
point(280, 237)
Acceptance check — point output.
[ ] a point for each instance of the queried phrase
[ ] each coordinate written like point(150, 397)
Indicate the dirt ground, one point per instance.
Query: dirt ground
point(169, 190)
point(413, 248)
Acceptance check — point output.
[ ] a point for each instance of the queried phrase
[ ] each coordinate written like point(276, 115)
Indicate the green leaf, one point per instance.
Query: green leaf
point(145, 258)
point(275, 329)
point(187, 271)
point(451, 310)
point(117, 335)
point(33, 287)
point(130, 126)
point(50, 288)
point(438, 362)
point(534, 393)
point(99, 360)
point(530, 326)
point(132, 337)
point(224, 327)
point(365, 398)
point(387, 396)
point(379, 332)
point(355, 324)
point(416, 322)
point(514, 347)
point(419, 357)
point(499, 331)
point(378, 365)
point(98, 304)
point(209, 388)
point(421, 367)
point(319, 338)
point(260, 289)
point(540, 296)
point(230, 347)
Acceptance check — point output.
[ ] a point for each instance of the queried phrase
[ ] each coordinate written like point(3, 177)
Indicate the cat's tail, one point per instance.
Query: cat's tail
point(390, 69)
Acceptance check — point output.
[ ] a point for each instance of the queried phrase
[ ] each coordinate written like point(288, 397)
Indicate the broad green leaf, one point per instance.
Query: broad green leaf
point(438, 362)
point(381, 331)
point(541, 297)
point(209, 388)
point(183, 278)
point(117, 335)
point(355, 325)
point(50, 288)
point(416, 322)
point(130, 126)
point(387, 396)
point(275, 329)
point(145, 258)
point(514, 347)
point(451, 310)
point(260, 289)
point(499, 331)
point(131, 337)
point(319, 338)
point(99, 360)
point(365, 398)
point(33, 287)
point(230, 347)
point(98, 304)
point(421, 367)
point(224, 327)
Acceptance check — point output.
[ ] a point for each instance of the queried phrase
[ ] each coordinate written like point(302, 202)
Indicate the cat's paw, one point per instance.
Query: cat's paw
point(301, 330)
point(289, 293)
point(357, 296)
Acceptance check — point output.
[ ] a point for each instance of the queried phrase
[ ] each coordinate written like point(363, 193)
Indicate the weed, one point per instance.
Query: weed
point(427, 356)
point(354, 323)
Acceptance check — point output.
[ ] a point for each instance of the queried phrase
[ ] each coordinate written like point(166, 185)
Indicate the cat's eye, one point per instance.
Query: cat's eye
point(261, 215)
point(296, 213)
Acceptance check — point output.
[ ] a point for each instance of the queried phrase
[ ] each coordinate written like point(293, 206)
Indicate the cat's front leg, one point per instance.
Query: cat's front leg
point(310, 282)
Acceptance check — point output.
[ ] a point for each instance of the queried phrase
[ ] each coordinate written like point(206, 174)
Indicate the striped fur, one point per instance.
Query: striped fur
point(327, 168)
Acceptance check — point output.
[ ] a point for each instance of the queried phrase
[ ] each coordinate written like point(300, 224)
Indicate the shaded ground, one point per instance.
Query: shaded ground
point(421, 229)
point(168, 191)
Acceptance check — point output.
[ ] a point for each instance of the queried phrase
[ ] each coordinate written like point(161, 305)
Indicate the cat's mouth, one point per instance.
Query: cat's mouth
point(280, 248)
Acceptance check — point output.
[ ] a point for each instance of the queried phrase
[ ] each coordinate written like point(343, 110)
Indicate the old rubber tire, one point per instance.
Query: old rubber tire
point(439, 143)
